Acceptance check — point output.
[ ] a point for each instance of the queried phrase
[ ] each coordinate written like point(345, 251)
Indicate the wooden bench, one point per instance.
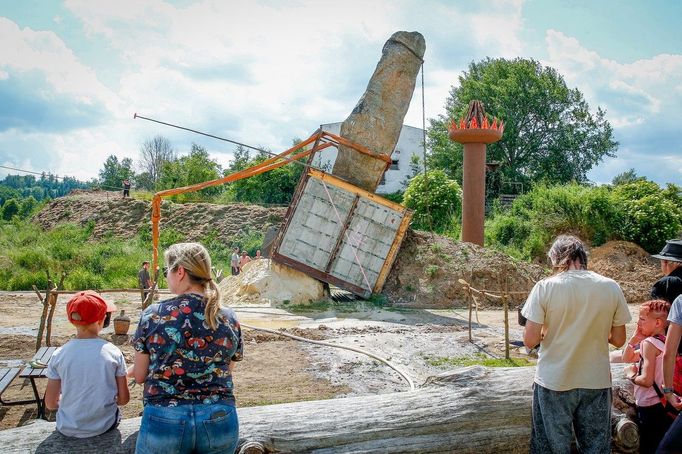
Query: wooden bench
point(43, 355)
point(7, 374)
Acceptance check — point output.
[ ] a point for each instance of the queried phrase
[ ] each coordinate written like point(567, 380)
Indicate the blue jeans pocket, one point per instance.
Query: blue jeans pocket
point(158, 434)
point(222, 433)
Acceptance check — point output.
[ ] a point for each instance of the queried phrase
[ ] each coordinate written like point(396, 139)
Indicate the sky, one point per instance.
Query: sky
point(263, 72)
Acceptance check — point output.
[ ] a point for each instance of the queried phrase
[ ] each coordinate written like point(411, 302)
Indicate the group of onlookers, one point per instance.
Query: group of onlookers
point(187, 346)
point(573, 316)
point(238, 261)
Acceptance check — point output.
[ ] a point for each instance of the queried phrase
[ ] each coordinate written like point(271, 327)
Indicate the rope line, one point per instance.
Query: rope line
point(261, 150)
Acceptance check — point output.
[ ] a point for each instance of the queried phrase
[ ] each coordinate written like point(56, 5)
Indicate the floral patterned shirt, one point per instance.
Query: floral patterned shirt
point(188, 361)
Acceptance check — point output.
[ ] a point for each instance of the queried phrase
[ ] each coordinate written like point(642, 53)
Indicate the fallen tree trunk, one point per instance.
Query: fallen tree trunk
point(472, 410)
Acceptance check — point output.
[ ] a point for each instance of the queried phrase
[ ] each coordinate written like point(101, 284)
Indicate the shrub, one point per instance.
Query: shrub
point(435, 199)
point(648, 215)
point(24, 280)
point(536, 217)
point(82, 279)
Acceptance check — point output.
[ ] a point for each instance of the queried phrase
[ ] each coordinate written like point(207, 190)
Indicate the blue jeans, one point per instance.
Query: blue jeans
point(672, 441)
point(558, 415)
point(188, 428)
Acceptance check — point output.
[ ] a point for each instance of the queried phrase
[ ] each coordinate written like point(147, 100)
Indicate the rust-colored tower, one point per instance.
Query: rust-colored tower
point(474, 132)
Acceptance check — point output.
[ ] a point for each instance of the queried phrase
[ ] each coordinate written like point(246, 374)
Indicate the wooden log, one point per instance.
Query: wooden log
point(52, 302)
point(43, 316)
point(471, 410)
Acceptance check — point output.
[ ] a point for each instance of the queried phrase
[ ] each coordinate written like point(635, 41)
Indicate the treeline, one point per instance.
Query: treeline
point(160, 167)
point(21, 195)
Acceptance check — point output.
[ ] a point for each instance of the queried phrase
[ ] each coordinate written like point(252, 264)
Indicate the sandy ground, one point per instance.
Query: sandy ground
point(276, 369)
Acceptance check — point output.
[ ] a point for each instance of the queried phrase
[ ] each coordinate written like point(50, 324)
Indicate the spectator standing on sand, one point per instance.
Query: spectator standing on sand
point(126, 188)
point(669, 286)
point(87, 375)
point(571, 315)
point(186, 347)
point(144, 282)
point(243, 260)
point(234, 262)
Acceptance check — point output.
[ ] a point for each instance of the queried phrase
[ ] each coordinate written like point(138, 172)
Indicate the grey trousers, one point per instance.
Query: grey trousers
point(558, 415)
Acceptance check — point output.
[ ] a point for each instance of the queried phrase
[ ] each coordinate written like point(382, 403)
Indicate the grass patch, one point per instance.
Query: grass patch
point(478, 359)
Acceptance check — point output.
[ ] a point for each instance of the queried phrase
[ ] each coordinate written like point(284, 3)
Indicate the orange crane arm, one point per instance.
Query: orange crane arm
point(321, 139)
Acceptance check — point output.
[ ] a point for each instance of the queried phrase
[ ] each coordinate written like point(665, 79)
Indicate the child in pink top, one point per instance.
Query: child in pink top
point(645, 348)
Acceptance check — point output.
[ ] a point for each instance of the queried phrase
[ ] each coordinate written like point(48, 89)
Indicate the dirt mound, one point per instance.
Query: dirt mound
point(629, 265)
point(428, 268)
point(113, 215)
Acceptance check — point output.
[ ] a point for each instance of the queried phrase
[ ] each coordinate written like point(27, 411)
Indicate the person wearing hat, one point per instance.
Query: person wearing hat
point(669, 286)
point(87, 375)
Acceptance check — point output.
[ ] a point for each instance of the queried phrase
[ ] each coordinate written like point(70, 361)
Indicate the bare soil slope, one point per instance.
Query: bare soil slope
point(428, 268)
point(629, 265)
point(426, 272)
point(114, 215)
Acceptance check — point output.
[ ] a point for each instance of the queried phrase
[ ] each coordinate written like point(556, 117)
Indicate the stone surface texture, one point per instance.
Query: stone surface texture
point(377, 119)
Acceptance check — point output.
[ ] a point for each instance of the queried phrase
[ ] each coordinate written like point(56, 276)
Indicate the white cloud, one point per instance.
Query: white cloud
point(257, 72)
point(27, 51)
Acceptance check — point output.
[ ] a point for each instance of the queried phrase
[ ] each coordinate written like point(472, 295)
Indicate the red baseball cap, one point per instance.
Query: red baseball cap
point(87, 307)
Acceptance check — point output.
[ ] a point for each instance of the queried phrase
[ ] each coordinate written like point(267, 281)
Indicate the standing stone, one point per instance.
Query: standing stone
point(377, 119)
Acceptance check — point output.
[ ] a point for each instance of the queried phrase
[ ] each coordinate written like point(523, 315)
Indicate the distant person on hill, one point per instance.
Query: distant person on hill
point(234, 261)
point(144, 282)
point(186, 348)
point(87, 375)
point(573, 316)
point(669, 286)
point(243, 260)
point(126, 188)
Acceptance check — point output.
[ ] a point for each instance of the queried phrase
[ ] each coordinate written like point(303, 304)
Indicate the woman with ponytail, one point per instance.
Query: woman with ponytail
point(185, 352)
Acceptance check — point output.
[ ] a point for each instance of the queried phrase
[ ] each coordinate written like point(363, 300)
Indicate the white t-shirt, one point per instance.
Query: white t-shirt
point(578, 309)
point(87, 369)
point(675, 315)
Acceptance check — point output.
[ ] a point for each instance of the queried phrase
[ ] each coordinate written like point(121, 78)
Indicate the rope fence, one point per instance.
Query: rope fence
point(505, 296)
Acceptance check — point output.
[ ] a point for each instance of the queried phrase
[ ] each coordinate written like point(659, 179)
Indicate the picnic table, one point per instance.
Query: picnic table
point(37, 368)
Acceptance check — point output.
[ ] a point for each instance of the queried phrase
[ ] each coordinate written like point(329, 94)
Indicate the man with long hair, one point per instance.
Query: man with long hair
point(573, 315)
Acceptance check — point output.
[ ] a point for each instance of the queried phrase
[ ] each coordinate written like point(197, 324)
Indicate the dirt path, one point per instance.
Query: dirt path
point(277, 370)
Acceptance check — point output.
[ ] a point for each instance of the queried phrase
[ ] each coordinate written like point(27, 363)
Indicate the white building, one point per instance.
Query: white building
point(409, 144)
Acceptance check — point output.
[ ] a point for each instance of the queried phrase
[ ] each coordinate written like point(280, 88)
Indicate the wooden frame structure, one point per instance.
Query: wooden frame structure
point(341, 234)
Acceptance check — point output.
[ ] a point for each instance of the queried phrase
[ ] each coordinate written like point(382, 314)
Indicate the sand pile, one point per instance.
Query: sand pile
point(263, 282)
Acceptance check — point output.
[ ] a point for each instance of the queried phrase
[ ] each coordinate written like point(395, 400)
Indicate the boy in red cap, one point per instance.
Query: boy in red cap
point(88, 372)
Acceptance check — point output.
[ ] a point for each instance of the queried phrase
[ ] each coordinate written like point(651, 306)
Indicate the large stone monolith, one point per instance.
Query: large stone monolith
point(377, 119)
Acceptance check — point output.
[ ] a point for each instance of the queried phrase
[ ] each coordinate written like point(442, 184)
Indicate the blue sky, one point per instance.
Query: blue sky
point(73, 73)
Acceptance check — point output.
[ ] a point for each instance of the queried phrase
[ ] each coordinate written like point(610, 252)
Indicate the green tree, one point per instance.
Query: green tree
point(550, 134)
point(196, 167)
point(114, 172)
point(10, 209)
point(435, 199)
point(274, 187)
point(648, 214)
point(629, 176)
